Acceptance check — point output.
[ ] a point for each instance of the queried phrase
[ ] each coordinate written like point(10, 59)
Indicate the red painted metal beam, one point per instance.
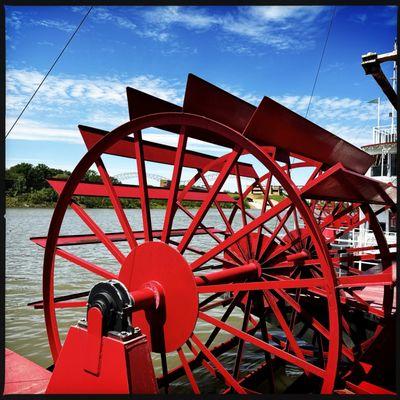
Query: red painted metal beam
point(265, 285)
point(385, 278)
point(69, 240)
point(159, 153)
point(132, 191)
point(141, 103)
point(220, 106)
point(38, 304)
point(341, 184)
point(269, 124)
point(230, 274)
point(275, 125)
point(365, 387)
point(306, 366)
point(208, 100)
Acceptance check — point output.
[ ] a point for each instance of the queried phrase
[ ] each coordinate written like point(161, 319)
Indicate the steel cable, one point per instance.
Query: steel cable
point(49, 71)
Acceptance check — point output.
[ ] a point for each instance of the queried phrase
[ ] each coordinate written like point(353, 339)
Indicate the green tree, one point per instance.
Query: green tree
point(40, 173)
point(62, 175)
point(92, 176)
point(42, 196)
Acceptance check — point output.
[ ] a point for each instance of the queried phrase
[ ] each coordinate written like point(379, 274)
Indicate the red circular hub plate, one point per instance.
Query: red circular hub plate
point(169, 326)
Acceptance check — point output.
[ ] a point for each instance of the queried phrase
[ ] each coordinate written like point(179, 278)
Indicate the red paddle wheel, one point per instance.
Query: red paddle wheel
point(228, 298)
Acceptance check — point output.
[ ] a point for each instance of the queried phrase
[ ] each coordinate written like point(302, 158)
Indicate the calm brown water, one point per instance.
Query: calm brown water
point(25, 329)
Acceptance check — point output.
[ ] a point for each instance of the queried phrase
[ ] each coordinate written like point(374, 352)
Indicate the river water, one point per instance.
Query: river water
point(25, 328)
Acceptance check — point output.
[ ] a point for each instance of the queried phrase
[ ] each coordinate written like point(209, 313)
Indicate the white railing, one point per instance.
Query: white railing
point(385, 134)
point(361, 238)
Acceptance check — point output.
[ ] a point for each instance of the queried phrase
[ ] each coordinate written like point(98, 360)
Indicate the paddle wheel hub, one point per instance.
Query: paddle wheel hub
point(160, 279)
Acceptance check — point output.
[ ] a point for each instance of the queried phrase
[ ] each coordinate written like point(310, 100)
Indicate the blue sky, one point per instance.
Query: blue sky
point(250, 51)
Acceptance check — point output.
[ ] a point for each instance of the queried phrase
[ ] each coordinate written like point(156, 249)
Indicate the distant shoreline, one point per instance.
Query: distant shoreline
point(18, 203)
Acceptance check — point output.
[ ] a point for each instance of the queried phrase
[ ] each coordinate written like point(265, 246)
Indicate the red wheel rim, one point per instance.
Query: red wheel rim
point(327, 279)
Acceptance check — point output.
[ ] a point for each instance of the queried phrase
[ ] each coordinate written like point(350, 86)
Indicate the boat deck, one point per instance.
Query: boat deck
point(23, 376)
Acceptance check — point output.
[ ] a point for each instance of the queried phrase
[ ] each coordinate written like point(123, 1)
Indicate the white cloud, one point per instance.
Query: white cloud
point(281, 27)
point(15, 20)
point(357, 135)
point(334, 66)
point(284, 13)
point(79, 10)
point(189, 17)
point(389, 15)
point(330, 108)
point(103, 15)
point(31, 130)
point(101, 102)
point(45, 43)
point(359, 18)
point(54, 24)
point(58, 92)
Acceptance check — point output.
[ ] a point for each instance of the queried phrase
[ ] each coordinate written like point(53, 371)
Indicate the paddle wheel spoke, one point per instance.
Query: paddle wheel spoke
point(70, 304)
point(233, 157)
point(164, 367)
point(111, 247)
point(116, 203)
point(202, 252)
point(304, 313)
point(256, 183)
point(250, 227)
point(85, 264)
point(282, 322)
point(174, 187)
point(315, 173)
point(293, 317)
point(143, 189)
point(188, 371)
point(263, 209)
point(204, 363)
point(236, 301)
point(267, 338)
point(229, 380)
point(242, 208)
point(239, 352)
point(221, 213)
point(275, 232)
point(209, 299)
point(264, 346)
point(252, 217)
point(214, 165)
point(311, 320)
point(214, 236)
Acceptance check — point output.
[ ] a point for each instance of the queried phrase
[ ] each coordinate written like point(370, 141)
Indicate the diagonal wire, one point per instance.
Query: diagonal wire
point(322, 56)
point(48, 72)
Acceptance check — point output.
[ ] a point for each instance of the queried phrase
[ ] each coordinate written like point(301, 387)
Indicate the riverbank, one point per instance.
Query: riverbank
point(256, 200)
point(27, 187)
point(29, 201)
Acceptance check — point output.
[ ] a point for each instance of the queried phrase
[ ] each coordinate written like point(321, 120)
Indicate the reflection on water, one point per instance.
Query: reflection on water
point(25, 329)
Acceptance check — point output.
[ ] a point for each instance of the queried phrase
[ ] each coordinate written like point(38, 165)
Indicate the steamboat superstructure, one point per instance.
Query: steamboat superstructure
point(384, 146)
